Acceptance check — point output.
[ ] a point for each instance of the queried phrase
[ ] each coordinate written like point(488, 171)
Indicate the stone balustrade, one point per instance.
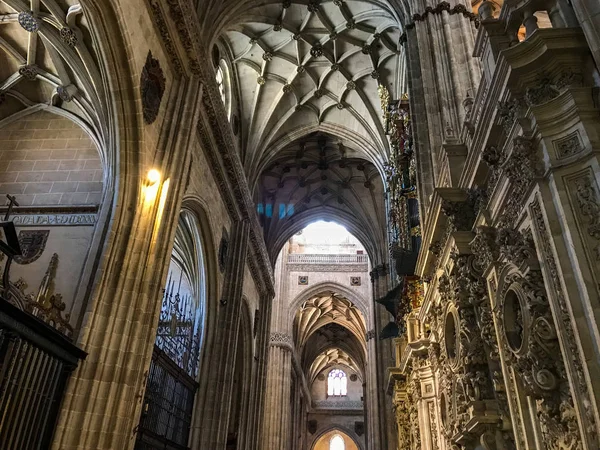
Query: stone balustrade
point(302, 258)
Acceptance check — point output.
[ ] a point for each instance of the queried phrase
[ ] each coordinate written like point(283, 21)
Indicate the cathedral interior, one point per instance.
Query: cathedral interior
point(300, 225)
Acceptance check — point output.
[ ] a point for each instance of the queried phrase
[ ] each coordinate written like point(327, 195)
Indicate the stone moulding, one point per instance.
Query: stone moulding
point(332, 404)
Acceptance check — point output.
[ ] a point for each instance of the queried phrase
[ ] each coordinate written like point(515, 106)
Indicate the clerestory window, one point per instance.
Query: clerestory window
point(337, 383)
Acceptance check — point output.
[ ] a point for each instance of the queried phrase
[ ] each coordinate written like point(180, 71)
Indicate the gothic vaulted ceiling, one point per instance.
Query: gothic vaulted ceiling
point(47, 61)
point(332, 357)
point(308, 66)
point(320, 177)
point(305, 75)
point(326, 308)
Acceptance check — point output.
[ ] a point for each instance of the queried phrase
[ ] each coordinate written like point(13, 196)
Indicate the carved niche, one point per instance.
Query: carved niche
point(152, 86)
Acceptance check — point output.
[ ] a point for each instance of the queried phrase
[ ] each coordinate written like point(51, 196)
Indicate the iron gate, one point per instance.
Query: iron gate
point(171, 387)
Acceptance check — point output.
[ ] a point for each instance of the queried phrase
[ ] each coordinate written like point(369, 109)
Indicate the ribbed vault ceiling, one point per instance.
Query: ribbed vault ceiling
point(328, 308)
point(46, 58)
point(333, 344)
point(329, 358)
point(307, 66)
point(317, 174)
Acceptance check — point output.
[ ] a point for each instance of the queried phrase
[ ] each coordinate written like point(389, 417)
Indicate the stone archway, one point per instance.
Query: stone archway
point(322, 441)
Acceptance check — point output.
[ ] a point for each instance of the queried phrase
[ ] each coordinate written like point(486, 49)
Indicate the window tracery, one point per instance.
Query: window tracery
point(337, 383)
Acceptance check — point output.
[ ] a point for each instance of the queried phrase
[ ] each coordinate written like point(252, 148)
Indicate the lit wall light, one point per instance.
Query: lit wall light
point(153, 176)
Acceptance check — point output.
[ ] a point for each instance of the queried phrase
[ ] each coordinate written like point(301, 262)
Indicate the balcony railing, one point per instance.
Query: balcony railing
point(304, 258)
point(345, 404)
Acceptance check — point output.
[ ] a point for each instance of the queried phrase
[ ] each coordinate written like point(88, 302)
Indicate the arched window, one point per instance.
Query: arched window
point(220, 77)
point(337, 383)
point(172, 378)
point(337, 443)
point(223, 83)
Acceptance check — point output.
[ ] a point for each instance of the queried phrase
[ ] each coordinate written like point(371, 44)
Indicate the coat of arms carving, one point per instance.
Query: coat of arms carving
point(152, 85)
point(33, 243)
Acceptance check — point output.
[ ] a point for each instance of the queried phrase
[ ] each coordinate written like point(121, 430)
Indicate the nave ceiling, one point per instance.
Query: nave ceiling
point(329, 320)
point(304, 80)
point(316, 66)
point(320, 177)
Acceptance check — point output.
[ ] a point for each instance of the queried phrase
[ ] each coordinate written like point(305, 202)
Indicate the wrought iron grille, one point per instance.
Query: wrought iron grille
point(35, 364)
point(178, 334)
point(171, 386)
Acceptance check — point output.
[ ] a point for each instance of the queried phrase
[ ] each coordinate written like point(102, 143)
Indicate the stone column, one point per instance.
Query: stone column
point(441, 74)
point(380, 426)
point(277, 408)
point(253, 426)
point(103, 400)
point(215, 392)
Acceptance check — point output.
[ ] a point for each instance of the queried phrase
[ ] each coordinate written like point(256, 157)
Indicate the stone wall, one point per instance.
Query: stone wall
point(49, 160)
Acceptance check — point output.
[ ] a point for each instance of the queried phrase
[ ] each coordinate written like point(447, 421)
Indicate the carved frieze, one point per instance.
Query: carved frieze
point(484, 247)
point(444, 7)
point(461, 214)
point(282, 340)
point(403, 423)
point(548, 86)
point(508, 112)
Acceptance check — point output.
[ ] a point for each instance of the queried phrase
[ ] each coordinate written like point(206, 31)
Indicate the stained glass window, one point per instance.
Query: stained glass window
point(337, 443)
point(337, 383)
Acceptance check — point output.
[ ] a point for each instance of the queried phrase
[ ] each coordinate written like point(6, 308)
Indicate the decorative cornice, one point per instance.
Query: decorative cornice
point(163, 30)
point(226, 168)
point(223, 158)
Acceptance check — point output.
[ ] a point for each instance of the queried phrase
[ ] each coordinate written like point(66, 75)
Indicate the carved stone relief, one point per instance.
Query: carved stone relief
point(152, 86)
point(33, 243)
point(223, 250)
point(568, 146)
point(586, 195)
point(531, 348)
point(567, 327)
